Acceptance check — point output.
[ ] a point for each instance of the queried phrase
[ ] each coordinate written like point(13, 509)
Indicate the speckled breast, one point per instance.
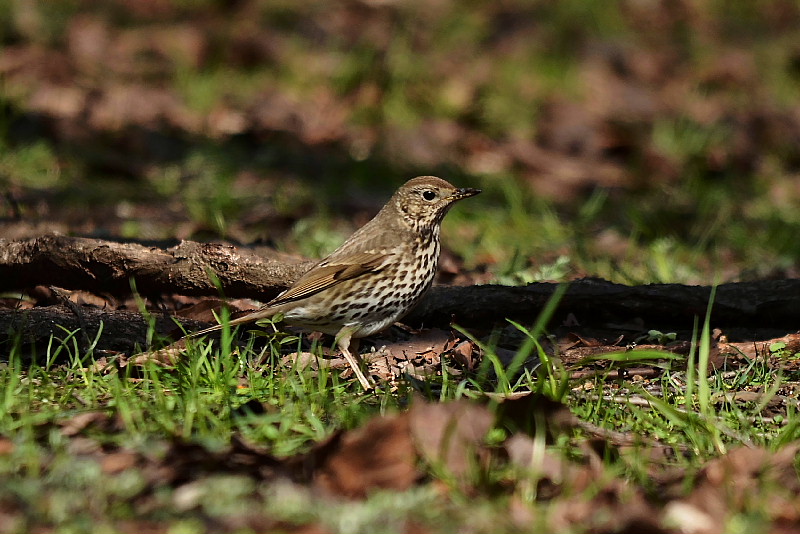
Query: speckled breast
point(373, 302)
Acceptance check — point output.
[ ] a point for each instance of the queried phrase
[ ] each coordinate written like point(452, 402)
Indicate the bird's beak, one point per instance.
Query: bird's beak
point(464, 192)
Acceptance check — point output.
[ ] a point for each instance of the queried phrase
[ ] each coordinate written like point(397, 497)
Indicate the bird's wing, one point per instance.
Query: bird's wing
point(330, 272)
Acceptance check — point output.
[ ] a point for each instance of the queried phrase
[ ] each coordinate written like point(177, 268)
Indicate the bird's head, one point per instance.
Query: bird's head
point(423, 201)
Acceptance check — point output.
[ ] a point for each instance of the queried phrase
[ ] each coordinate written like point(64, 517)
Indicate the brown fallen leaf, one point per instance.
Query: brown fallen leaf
point(118, 461)
point(169, 356)
point(755, 349)
point(378, 455)
point(420, 356)
point(523, 412)
point(16, 303)
point(465, 354)
point(451, 435)
point(80, 422)
point(615, 506)
point(142, 526)
point(303, 360)
point(427, 341)
point(206, 310)
point(584, 341)
point(552, 473)
point(6, 446)
point(734, 482)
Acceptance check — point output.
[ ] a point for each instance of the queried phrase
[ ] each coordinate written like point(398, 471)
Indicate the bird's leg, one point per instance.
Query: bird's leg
point(345, 342)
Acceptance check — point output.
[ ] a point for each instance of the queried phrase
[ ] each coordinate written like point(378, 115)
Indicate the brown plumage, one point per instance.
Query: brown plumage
point(375, 277)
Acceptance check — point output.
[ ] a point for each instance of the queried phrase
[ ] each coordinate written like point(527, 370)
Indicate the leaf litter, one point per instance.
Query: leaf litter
point(448, 445)
point(83, 95)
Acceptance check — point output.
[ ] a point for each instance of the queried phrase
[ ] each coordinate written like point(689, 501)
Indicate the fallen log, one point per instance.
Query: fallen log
point(107, 267)
point(189, 269)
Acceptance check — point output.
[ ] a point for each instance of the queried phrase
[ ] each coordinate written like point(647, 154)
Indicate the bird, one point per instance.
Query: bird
point(375, 277)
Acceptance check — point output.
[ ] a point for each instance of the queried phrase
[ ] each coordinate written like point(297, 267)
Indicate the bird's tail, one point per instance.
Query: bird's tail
point(204, 331)
point(249, 318)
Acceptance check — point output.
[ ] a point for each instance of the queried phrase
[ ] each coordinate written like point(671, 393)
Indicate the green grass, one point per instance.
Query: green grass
point(34, 166)
point(724, 209)
point(222, 390)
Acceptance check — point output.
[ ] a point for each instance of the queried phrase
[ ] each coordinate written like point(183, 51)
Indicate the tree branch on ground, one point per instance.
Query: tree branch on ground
point(106, 267)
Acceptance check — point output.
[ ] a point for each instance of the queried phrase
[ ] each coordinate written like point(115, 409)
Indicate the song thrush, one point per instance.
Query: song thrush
point(376, 276)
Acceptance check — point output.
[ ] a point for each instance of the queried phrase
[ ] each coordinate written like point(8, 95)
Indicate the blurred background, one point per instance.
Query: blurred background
point(638, 141)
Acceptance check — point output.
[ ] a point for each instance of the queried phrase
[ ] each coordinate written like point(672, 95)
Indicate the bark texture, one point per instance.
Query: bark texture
point(108, 267)
point(188, 268)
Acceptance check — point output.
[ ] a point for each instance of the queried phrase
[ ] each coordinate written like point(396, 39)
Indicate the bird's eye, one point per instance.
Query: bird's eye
point(428, 195)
